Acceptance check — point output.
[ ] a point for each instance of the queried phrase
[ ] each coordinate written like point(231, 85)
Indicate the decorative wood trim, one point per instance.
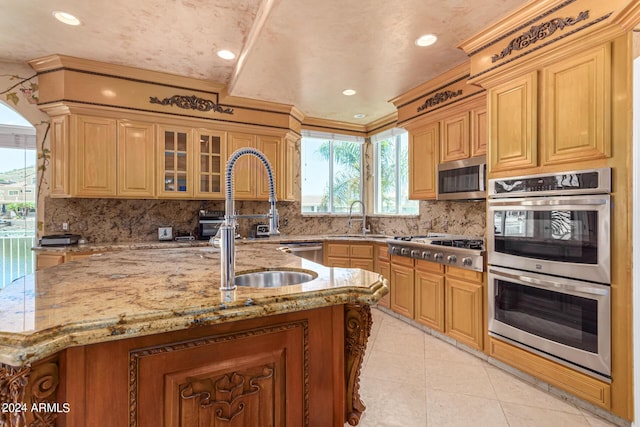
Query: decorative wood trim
point(539, 32)
point(439, 98)
point(357, 327)
point(136, 355)
point(32, 392)
point(231, 389)
point(191, 102)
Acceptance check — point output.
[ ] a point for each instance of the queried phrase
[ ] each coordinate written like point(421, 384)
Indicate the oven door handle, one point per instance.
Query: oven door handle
point(587, 290)
point(549, 202)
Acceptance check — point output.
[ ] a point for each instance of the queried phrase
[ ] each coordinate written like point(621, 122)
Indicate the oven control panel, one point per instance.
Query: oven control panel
point(592, 181)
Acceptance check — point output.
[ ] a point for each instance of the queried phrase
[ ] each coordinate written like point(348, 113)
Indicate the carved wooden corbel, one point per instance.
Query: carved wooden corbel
point(357, 325)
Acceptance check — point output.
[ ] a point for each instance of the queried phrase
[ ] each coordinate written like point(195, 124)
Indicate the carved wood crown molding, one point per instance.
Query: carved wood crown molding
point(439, 98)
point(539, 32)
point(191, 102)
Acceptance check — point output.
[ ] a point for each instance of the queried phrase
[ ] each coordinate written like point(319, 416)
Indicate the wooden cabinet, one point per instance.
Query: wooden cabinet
point(210, 157)
point(383, 267)
point(479, 131)
point(513, 124)
point(402, 292)
point(175, 153)
point(574, 121)
point(135, 159)
point(424, 146)
point(250, 175)
point(455, 138)
point(48, 260)
point(349, 255)
point(464, 306)
point(429, 294)
point(101, 157)
point(576, 108)
point(94, 150)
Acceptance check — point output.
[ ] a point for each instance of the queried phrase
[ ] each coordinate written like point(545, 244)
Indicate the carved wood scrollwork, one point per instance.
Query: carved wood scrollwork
point(191, 102)
point(227, 395)
point(29, 393)
point(358, 324)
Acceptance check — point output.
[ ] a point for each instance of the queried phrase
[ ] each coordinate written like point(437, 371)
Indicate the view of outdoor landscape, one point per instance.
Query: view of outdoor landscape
point(17, 198)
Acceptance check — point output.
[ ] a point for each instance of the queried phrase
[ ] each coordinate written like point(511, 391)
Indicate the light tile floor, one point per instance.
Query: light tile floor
point(413, 379)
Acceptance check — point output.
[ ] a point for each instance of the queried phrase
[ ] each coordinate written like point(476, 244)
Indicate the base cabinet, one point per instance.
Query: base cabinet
point(291, 369)
point(402, 286)
point(348, 255)
point(429, 294)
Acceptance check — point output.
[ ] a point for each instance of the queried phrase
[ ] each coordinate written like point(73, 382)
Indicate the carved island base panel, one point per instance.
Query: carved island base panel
point(257, 378)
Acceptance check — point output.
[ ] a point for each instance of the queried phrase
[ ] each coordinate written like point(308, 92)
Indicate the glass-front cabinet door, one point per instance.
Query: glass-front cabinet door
point(175, 162)
point(210, 162)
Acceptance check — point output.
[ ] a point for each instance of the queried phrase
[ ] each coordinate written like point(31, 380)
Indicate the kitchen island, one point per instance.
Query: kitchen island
point(146, 338)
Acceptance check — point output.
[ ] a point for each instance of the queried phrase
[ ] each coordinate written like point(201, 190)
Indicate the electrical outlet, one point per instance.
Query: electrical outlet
point(285, 221)
point(65, 226)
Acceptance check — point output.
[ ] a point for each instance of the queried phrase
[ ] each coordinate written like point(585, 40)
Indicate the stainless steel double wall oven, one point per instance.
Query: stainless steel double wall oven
point(549, 266)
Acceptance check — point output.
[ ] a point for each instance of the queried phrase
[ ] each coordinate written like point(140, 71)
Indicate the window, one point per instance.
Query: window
point(331, 173)
point(14, 193)
point(391, 154)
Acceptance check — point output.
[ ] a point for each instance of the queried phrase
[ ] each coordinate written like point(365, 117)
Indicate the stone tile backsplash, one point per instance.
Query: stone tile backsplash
point(121, 220)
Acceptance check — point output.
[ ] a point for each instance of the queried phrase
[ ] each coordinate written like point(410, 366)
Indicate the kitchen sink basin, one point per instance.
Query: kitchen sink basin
point(274, 278)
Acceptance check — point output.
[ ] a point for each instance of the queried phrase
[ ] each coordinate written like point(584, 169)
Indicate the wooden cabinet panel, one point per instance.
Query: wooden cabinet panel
point(337, 249)
point(429, 299)
point(402, 293)
point(210, 159)
point(289, 169)
point(455, 138)
point(577, 107)
point(136, 159)
point(464, 312)
point(479, 135)
point(60, 160)
point(384, 269)
point(365, 264)
point(48, 260)
point(243, 172)
point(337, 262)
point(382, 252)
point(429, 266)
point(95, 154)
point(513, 120)
point(462, 273)
point(423, 157)
point(361, 251)
point(270, 147)
point(175, 152)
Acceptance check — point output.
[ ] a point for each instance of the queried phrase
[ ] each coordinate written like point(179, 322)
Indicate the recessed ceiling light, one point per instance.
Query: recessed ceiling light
point(359, 116)
point(226, 54)
point(426, 40)
point(66, 18)
point(348, 92)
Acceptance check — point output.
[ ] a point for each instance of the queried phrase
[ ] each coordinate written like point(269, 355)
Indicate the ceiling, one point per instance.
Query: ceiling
point(299, 52)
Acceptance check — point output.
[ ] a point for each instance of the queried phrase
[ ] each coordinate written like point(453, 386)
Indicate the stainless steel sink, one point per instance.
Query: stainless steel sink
point(274, 278)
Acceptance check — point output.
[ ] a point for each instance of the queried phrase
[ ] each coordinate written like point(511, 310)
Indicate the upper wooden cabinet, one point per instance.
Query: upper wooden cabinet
point(175, 154)
point(479, 131)
point(455, 138)
point(513, 121)
point(210, 157)
point(101, 157)
point(574, 121)
point(135, 159)
point(424, 146)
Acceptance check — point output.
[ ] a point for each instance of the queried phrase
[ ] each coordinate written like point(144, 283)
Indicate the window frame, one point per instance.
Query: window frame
point(332, 138)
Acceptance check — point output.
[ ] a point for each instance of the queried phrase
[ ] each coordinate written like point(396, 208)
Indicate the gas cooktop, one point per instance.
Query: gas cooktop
point(448, 249)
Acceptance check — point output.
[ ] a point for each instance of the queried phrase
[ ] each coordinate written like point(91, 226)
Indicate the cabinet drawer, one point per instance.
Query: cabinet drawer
point(402, 260)
point(474, 276)
point(362, 251)
point(338, 250)
point(382, 252)
point(365, 264)
point(338, 262)
point(432, 267)
point(48, 260)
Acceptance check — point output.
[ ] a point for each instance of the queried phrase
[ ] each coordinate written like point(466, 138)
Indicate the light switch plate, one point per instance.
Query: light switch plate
point(165, 233)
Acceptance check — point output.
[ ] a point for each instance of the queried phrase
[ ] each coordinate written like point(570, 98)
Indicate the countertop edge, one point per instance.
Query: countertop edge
point(31, 348)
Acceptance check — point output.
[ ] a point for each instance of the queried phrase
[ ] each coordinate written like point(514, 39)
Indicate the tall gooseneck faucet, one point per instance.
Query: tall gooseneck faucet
point(228, 228)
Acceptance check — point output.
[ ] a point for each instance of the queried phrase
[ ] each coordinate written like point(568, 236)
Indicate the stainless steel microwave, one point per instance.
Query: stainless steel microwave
point(462, 179)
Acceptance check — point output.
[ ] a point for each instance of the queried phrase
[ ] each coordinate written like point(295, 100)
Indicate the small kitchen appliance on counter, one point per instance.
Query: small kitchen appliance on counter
point(59, 240)
point(208, 223)
point(261, 230)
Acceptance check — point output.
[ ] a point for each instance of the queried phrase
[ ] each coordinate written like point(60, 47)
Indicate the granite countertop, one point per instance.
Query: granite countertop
point(282, 239)
point(128, 293)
